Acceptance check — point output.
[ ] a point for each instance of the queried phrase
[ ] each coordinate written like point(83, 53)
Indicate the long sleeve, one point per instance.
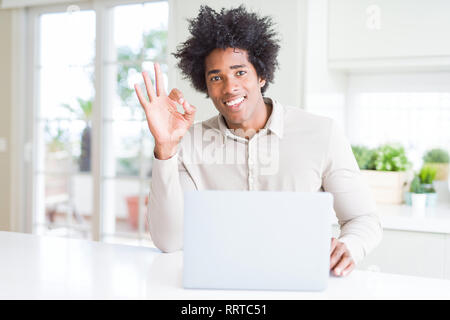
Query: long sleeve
point(165, 209)
point(354, 205)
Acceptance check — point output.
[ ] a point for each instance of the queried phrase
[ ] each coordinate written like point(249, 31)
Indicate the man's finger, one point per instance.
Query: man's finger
point(172, 106)
point(189, 111)
point(148, 84)
point(342, 264)
point(160, 88)
point(349, 268)
point(336, 256)
point(333, 244)
point(140, 96)
point(176, 95)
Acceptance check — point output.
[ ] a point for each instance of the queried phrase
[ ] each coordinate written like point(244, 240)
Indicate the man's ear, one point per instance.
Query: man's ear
point(262, 82)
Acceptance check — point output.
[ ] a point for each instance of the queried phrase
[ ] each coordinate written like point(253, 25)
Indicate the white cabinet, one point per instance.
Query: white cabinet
point(376, 34)
point(447, 257)
point(413, 243)
point(410, 253)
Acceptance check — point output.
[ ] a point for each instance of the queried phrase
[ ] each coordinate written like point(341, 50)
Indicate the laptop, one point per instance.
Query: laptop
point(257, 240)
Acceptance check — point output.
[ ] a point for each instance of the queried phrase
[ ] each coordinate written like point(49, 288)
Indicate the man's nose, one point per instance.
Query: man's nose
point(230, 86)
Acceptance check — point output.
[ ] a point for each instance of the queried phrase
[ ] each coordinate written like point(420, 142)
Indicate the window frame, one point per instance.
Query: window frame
point(30, 130)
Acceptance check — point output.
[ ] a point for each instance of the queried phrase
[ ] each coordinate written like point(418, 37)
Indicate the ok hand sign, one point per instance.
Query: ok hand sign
point(166, 124)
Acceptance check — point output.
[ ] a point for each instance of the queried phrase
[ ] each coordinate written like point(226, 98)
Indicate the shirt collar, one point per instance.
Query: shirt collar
point(275, 123)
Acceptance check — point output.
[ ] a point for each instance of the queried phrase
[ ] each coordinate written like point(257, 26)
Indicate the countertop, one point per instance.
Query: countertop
point(41, 267)
point(405, 218)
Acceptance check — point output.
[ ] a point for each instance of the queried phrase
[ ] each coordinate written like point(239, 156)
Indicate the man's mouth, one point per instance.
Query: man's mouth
point(235, 103)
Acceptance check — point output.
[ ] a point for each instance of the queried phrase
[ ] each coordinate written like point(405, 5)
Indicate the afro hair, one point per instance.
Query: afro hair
point(233, 28)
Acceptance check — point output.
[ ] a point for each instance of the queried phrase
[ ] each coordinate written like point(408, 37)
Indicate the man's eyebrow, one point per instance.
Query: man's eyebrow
point(213, 71)
point(237, 66)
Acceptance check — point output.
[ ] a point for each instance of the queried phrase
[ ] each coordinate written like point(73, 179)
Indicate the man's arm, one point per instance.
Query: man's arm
point(354, 205)
point(167, 126)
point(165, 208)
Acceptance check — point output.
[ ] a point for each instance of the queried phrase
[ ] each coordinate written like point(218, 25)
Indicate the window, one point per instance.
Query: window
point(411, 109)
point(92, 165)
point(139, 34)
point(65, 85)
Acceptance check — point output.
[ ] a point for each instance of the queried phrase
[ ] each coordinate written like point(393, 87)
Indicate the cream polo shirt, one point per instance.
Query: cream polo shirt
point(295, 151)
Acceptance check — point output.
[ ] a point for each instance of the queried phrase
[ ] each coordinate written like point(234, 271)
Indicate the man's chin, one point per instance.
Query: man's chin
point(234, 122)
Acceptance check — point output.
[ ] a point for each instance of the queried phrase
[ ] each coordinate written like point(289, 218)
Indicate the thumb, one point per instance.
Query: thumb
point(333, 244)
point(189, 111)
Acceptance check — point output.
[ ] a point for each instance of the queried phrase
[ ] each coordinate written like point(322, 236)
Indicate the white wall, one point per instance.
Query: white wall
point(325, 90)
point(290, 19)
point(5, 118)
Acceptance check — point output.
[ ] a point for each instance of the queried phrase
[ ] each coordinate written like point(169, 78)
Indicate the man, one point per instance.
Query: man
point(254, 143)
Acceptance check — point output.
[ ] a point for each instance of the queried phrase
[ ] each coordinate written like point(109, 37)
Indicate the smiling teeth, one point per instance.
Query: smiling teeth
point(238, 100)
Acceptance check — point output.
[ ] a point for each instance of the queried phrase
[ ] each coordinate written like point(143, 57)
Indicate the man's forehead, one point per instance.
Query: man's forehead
point(226, 58)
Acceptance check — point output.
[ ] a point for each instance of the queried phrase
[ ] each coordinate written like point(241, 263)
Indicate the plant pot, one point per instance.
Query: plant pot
point(442, 191)
point(85, 156)
point(387, 186)
point(407, 198)
point(418, 200)
point(133, 211)
point(430, 202)
point(442, 170)
point(431, 199)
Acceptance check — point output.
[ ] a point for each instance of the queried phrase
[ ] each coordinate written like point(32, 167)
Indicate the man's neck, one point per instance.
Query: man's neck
point(250, 128)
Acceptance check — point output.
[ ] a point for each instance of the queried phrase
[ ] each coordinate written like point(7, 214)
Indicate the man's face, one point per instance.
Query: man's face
point(233, 86)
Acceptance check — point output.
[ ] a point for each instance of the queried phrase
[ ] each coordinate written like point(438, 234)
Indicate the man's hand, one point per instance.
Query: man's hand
point(166, 124)
point(341, 262)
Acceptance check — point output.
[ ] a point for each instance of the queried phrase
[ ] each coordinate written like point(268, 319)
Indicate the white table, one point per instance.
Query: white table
point(36, 267)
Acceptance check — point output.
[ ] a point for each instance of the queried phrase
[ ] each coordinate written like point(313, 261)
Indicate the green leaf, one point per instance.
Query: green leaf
point(391, 157)
point(427, 174)
point(436, 156)
point(364, 157)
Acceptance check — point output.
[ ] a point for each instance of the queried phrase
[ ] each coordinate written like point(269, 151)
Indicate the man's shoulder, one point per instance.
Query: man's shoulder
point(298, 117)
point(198, 128)
point(212, 122)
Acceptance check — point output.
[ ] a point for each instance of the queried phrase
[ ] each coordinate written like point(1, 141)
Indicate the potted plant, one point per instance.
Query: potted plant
point(418, 195)
point(386, 170)
point(83, 111)
point(133, 211)
point(364, 156)
point(57, 154)
point(427, 175)
point(439, 159)
point(425, 178)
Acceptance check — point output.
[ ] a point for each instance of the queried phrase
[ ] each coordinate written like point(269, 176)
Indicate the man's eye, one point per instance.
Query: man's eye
point(241, 73)
point(215, 78)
